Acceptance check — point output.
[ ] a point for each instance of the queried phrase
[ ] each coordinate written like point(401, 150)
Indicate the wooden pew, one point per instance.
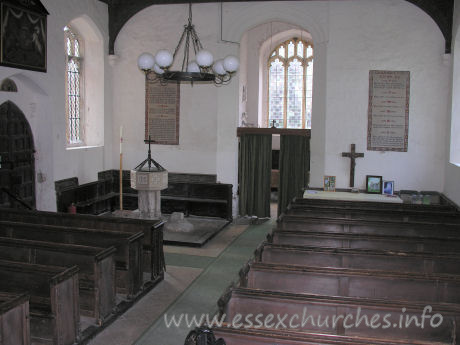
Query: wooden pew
point(152, 229)
point(234, 336)
point(54, 299)
point(374, 205)
point(14, 319)
point(346, 282)
point(316, 314)
point(412, 229)
point(365, 241)
point(129, 247)
point(96, 276)
point(370, 214)
point(363, 259)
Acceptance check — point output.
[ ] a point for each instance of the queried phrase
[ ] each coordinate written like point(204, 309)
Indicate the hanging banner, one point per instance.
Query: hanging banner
point(162, 104)
point(388, 113)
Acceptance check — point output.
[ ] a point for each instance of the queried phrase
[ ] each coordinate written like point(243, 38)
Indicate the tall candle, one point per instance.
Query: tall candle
point(121, 139)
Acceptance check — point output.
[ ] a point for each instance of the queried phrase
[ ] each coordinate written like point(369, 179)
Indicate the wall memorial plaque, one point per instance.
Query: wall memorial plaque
point(388, 114)
point(162, 104)
point(23, 34)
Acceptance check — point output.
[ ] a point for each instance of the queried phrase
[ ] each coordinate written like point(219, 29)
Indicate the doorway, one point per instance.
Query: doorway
point(17, 161)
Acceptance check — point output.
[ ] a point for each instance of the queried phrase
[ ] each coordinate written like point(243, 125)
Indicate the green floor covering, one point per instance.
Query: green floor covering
point(194, 261)
point(202, 295)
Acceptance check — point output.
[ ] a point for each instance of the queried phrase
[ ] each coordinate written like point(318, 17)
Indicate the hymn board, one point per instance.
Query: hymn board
point(162, 108)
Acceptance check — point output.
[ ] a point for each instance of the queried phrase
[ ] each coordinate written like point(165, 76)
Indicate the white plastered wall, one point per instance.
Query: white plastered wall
point(41, 97)
point(452, 185)
point(350, 38)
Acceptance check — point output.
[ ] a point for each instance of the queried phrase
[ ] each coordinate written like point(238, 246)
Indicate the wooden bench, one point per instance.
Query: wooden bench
point(54, 299)
point(365, 241)
point(364, 259)
point(444, 207)
point(128, 255)
point(96, 276)
point(14, 319)
point(316, 314)
point(310, 224)
point(346, 282)
point(243, 336)
point(370, 214)
point(153, 231)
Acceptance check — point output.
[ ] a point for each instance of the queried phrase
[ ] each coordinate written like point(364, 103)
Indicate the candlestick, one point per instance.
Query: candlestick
point(121, 139)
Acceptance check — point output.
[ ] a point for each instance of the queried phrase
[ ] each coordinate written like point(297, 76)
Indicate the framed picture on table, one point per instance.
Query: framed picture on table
point(329, 183)
point(374, 184)
point(388, 187)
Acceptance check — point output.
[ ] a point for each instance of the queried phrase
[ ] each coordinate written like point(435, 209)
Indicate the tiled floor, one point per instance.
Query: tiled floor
point(195, 279)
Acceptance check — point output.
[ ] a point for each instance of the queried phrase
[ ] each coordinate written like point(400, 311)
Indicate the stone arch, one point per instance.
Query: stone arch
point(17, 171)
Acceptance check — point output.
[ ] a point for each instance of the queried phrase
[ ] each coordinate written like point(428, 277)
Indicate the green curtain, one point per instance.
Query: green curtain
point(294, 168)
point(254, 170)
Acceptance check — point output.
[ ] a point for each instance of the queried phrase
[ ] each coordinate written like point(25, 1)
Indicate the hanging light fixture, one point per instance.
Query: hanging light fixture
point(202, 69)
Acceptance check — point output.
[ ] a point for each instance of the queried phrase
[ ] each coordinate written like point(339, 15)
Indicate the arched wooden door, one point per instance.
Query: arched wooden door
point(17, 163)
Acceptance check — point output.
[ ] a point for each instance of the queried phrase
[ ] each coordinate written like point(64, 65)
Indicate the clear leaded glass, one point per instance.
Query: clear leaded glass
point(276, 96)
point(300, 49)
point(291, 49)
point(73, 87)
point(290, 85)
point(294, 94)
point(309, 94)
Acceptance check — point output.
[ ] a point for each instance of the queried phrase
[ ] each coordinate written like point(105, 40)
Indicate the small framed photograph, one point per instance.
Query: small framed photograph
point(329, 183)
point(374, 184)
point(388, 187)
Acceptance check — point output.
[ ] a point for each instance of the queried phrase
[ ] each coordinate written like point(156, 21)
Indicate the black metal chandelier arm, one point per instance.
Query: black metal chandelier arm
point(196, 41)
point(180, 41)
point(185, 59)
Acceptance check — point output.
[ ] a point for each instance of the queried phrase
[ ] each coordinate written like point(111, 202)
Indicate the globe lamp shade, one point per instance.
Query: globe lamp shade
point(231, 63)
point(145, 61)
point(164, 59)
point(193, 67)
point(204, 58)
point(218, 67)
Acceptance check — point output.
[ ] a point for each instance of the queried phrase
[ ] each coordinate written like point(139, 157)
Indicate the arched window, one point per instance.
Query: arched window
point(73, 46)
point(290, 84)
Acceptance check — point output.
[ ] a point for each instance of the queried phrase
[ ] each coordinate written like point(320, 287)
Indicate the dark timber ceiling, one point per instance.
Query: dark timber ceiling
point(121, 10)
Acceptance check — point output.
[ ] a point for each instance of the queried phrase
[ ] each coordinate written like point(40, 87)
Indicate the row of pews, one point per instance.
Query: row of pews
point(57, 269)
point(337, 272)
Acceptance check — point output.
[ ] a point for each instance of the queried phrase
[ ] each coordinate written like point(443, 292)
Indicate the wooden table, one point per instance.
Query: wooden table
point(319, 194)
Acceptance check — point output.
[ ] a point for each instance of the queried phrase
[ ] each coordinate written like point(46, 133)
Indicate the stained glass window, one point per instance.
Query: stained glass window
point(290, 84)
point(73, 87)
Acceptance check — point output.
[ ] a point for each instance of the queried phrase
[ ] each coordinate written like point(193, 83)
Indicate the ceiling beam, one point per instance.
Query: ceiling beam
point(120, 11)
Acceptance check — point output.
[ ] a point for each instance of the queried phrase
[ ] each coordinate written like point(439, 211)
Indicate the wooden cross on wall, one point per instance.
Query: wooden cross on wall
point(352, 155)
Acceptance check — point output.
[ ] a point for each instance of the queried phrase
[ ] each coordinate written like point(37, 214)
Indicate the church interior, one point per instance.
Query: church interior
point(274, 165)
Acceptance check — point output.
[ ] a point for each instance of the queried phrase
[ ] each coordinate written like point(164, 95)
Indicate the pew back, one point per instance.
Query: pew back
point(344, 315)
point(14, 319)
point(440, 288)
point(53, 294)
point(365, 241)
point(128, 255)
point(387, 228)
point(96, 275)
point(152, 229)
point(359, 259)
